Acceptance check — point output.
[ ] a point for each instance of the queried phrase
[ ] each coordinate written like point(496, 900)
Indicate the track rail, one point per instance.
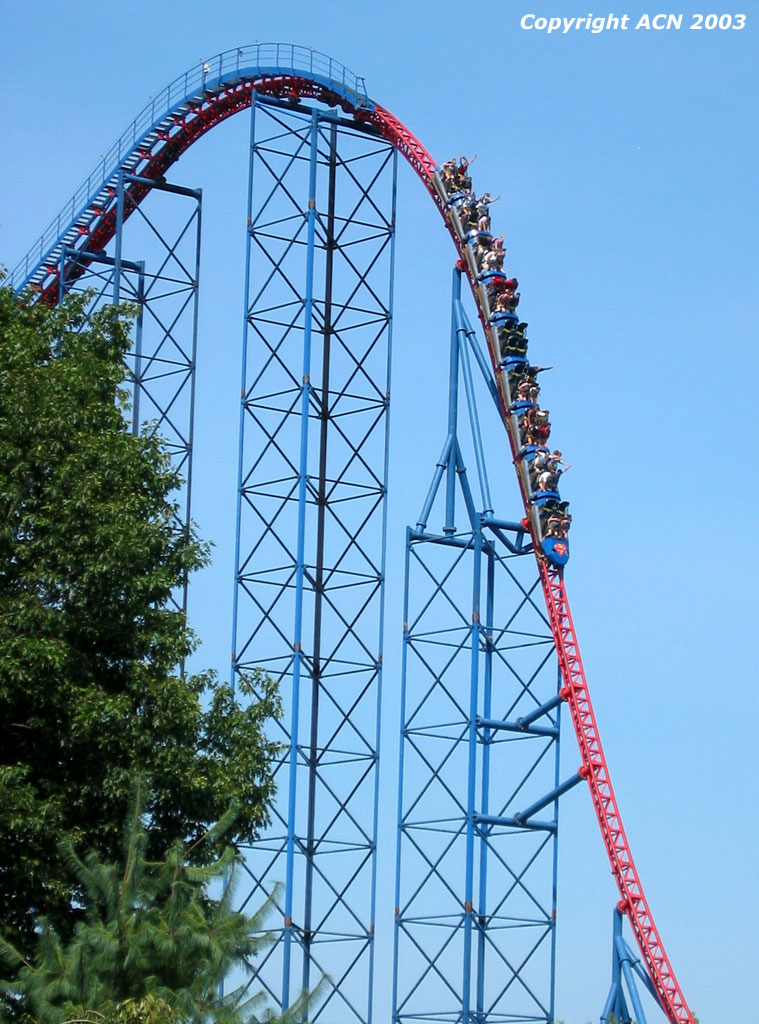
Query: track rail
point(190, 107)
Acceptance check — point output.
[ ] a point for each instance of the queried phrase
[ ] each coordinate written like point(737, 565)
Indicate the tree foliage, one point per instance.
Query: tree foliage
point(152, 947)
point(89, 640)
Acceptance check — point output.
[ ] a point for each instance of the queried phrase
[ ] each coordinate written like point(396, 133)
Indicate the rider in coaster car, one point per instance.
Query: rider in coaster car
point(448, 172)
point(464, 180)
point(537, 428)
point(483, 210)
point(555, 519)
point(553, 526)
point(527, 391)
point(511, 340)
point(509, 294)
point(455, 177)
point(549, 477)
point(468, 212)
point(503, 302)
point(493, 255)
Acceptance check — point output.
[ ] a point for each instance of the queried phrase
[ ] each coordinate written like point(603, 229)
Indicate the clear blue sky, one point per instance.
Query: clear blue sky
point(627, 163)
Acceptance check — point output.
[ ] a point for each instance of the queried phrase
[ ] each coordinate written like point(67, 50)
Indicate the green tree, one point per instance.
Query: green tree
point(89, 641)
point(152, 946)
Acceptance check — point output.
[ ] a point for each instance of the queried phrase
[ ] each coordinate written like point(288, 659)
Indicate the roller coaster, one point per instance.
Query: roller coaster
point(313, 103)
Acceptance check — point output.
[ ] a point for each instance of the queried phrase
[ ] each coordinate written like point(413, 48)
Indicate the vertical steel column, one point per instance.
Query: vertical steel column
point(118, 238)
point(453, 408)
point(321, 505)
point(137, 348)
point(475, 871)
point(305, 396)
point(401, 763)
point(555, 873)
point(311, 533)
point(243, 387)
point(487, 738)
point(472, 744)
point(383, 567)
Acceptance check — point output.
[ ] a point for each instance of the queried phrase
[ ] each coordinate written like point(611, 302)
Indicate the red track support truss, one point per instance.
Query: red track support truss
point(633, 901)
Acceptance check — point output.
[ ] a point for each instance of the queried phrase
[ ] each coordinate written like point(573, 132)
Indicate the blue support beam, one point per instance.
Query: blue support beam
point(100, 257)
point(491, 821)
point(523, 816)
point(495, 724)
point(465, 334)
point(624, 961)
point(524, 721)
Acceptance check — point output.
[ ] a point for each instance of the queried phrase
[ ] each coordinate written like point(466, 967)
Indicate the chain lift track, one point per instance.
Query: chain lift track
point(188, 108)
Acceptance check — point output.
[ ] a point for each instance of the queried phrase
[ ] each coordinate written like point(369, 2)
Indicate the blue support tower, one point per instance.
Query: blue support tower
point(311, 533)
point(162, 286)
point(476, 860)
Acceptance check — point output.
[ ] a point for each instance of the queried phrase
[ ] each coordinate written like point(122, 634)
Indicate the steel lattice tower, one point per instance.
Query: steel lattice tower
point(476, 868)
point(311, 531)
point(155, 269)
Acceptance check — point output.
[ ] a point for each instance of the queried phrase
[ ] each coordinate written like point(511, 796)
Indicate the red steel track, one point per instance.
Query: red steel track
point(161, 148)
